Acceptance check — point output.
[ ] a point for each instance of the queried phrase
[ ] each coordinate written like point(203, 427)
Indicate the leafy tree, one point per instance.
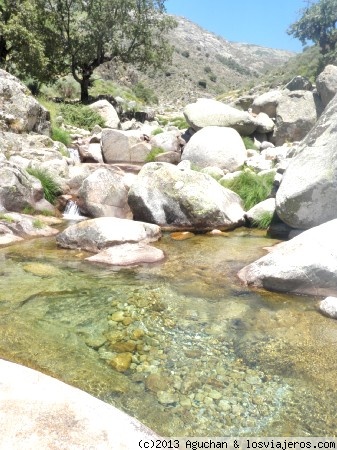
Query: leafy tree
point(318, 24)
point(91, 32)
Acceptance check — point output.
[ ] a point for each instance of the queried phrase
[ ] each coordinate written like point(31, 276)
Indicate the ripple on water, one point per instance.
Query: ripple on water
point(202, 355)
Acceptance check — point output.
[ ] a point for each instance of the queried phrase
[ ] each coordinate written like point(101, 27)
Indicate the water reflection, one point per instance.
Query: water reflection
point(180, 345)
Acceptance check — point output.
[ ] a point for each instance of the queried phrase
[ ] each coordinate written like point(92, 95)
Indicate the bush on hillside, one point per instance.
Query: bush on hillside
point(81, 116)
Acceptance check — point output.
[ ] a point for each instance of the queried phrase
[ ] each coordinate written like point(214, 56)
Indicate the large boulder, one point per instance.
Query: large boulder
point(296, 113)
point(206, 112)
point(308, 191)
point(267, 103)
point(104, 193)
point(170, 197)
point(299, 83)
point(326, 84)
point(128, 254)
point(307, 264)
point(96, 234)
point(20, 112)
point(216, 146)
point(124, 146)
point(169, 141)
point(107, 112)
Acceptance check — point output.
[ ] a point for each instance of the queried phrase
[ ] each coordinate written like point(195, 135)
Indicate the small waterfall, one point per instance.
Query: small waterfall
point(72, 211)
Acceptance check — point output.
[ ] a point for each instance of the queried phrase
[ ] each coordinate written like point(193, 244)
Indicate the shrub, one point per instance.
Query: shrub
point(6, 218)
point(207, 69)
point(252, 188)
point(153, 153)
point(213, 77)
point(81, 116)
point(249, 143)
point(157, 131)
point(263, 222)
point(202, 84)
point(50, 187)
point(37, 223)
point(185, 53)
point(145, 94)
point(60, 135)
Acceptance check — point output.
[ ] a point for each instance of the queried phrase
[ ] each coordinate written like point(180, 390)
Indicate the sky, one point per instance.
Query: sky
point(260, 22)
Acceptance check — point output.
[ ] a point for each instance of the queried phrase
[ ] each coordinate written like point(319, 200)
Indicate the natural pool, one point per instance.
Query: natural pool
point(205, 355)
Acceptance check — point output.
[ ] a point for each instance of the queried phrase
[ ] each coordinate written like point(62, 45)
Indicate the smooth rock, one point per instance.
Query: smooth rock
point(128, 254)
point(328, 306)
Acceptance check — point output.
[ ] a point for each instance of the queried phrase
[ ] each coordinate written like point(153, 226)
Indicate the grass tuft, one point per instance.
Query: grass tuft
point(60, 135)
point(51, 189)
point(263, 221)
point(153, 153)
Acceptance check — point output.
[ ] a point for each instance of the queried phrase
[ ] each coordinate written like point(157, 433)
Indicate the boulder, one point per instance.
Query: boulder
point(104, 194)
point(259, 210)
point(170, 197)
point(107, 112)
point(307, 264)
point(20, 112)
point(267, 103)
point(96, 234)
point(216, 146)
point(328, 306)
point(124, 146)
point(15, 227)
point(296, 113)
point(169, 141)
point(308, 191)
point(326, 84)
point(169, 157)
point(128, 254)
point(299, 83)
point(264, 123)
point(90, 153)
point(207, 112)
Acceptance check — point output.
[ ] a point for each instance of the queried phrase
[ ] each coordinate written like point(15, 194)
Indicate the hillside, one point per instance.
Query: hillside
point(203, 64)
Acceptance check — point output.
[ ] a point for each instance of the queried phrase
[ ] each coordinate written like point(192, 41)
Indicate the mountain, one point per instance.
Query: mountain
point(204, 64)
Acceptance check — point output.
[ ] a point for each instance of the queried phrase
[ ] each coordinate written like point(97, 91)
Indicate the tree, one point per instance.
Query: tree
point(91, 32)
point(318, 24)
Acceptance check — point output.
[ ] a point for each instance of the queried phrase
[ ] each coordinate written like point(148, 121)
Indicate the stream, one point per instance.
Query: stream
point(181, 345)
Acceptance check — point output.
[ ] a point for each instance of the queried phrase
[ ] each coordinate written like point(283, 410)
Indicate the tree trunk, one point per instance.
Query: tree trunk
point(85, 89)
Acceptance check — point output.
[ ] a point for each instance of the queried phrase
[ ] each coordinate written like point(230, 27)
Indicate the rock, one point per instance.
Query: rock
point(77, 174)
point(216, 146)
point(122, 362)
point(326, 84)
point(167, 196)
point(297, 112)
point(20, 112)
point(276, 154)
point(299, 83)
point(91, 153)
point(107, 112)
point(308, 191)
point(167, 398)
point(264, 123)
point(265, 207)
point(328, 306)
point(26, 226)
point(169, 141)
point(267, 103)
point(128, 254)
point(168, 157)
point(181, 235)
point(307, 264)
point(123, 347)
point(124, 146)
point(104, 194)
point(41, 270)
point(259, 163)
point(156, 382)
point(96, 234)
point(214, 172)
point(207, 112)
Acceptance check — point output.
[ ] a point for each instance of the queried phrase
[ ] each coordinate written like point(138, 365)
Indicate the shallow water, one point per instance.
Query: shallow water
point(206, 356)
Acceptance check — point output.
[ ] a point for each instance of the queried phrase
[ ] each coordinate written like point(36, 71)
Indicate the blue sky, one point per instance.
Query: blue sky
point(261, 22)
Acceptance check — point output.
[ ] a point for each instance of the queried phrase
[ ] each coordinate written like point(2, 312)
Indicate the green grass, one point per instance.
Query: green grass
point(60, 135)
point(249, 143)
point(50, 188)
point(37, 223)
point(179, 122)
point(6, 218)
point(252, 188)
point(153, 153)
point(263, 222)
point(157, 131)
point(81, 116)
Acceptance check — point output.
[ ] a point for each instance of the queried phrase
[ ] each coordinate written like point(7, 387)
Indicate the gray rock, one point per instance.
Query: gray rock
point(299, 83)
point(267, 103)
point(169, 157)
point(255, 213)
point(326, 84)
point(167, 196)
point(264, 123)
point(104, 194)
point(216, 146)
point(308, 192)
point(328, 306)
point(20, 112)
point(307, 264)
point(297, 112)
point(107, 112)
point(128, 254)
point(169, 141)
point(206, 112)
point(124, 146)
point(97, 234)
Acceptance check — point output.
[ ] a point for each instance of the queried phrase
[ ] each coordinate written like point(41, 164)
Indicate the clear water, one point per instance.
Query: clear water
point(205, 355)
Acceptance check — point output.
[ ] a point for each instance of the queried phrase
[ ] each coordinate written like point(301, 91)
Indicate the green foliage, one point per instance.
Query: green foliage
point(263, 221)
point(157, 131)
point(81, 116)
point(6, 218)
point(38, 224)
point(179, 122)
point(207, 69)
point(232, 64)
point(249, 143)
point(185, 53)
point(252, 188)
point(60, 135)
point(145, 94)
point(153, 153)
point(51, 189)
point(318, 24)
